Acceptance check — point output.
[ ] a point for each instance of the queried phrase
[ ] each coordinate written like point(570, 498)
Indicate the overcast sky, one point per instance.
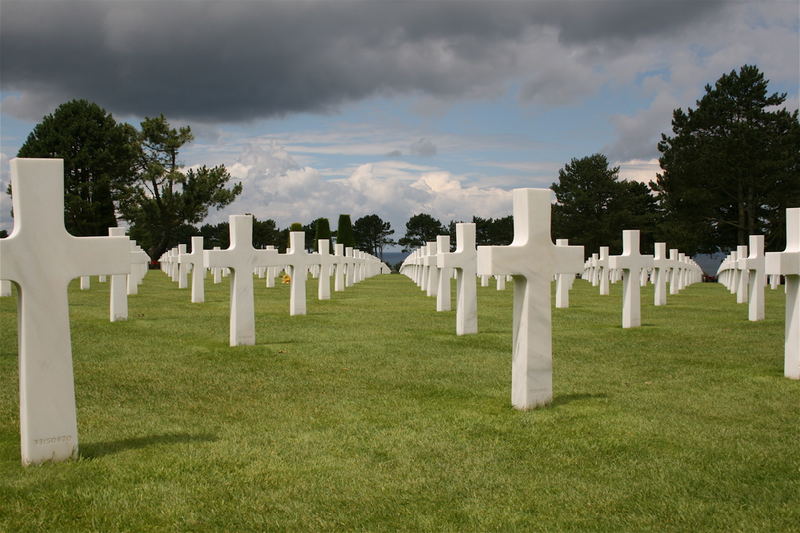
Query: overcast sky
point(384, 106)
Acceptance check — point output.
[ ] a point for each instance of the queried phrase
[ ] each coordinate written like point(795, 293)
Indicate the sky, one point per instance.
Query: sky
point(385, 106)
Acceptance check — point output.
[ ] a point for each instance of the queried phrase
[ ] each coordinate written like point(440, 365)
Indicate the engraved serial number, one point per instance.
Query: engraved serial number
point(52, 440)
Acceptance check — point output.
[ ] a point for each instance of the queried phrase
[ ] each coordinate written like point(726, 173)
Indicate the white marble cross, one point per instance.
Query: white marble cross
point(432, 284)
point(341, 266)
point(631, 262)
point(118, 305)
point(787, 264)
point(533, 260)
point(298, 262)
point(464, 262)
point(140, 261)
point(743, 274)
point(41, 258)
point(443, 287)
point(241, 258)
point(754, 263)
point(350, 263)
point(182, 268)
point(195, 261)
point(326, 262)
point(674, 272)
point(602, 266)
point(564, 282)
point(661, 268)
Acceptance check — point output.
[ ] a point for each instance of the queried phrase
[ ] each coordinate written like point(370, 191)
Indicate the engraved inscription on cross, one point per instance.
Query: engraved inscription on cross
point(41, 258)
point(787, 264)
point(464, 261)
point(532, 259)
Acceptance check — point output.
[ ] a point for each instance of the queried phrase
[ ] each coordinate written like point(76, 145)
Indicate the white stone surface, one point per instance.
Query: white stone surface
point(85, 283)
point(464, 262)
point(326, 264)
point(241, 259)
point(195, 263)
point(118, 305)
point(533, 260)
point(28, 257)
point(563, 282)
point(298, 262)
point(743, 274)
point(757, 279)
point(787, 264)
point(443, 283)
point(603, 270)
point(182, 268)
point(5, 287)
point(631, 263)
point(661, 267)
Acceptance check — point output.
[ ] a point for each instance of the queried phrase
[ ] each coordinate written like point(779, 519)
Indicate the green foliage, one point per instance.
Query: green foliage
point(162, 198)
point(99, 158)
point(344, 232)
point(594, 207)
point(420, 229)
point(322, 230)
point(731, 168)
point(370, 414)
point(372, 234)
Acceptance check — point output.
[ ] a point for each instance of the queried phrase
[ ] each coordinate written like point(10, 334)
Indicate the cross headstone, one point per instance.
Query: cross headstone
point(41, 258)
point(241, 258)
point(339, 274)
point(631, 262)
point(533, 260)
point(754, 263)
point(118, 305)
point(298, 262)
point(603, 274)
point(326, 263)
point(743, 274)
point(787, 264)
point(194, 261)
point(182, 268)
point(674, 271)
point(563, 282)
point(661, 269)
point(432, 278)
point(464, 262)
point(443, 287)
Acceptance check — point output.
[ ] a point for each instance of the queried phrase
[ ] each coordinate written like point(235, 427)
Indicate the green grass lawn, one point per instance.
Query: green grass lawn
point(370, 414)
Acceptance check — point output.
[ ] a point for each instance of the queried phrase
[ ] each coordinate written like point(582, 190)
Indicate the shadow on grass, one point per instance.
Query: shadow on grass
point(569, 398)
point(100, 449)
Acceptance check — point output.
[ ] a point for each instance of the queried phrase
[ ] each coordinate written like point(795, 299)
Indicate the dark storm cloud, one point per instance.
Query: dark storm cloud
point(238, 60)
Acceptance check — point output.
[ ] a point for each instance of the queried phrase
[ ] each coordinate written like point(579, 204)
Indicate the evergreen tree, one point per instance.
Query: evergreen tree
point(372, 234)
point(421, 229)
point(161, 198)
point(593, 207)
point(344, 232)
point(322, 230)
point(731, 168)
point(99, 156)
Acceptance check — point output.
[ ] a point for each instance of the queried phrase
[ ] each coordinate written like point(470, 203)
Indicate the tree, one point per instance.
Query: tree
point(265, 232)
point(593, 206)
point(344, 232)
point(99, 154)
point(731, 168)
point(420, 229)
point(322, 230)
point(162, 198)
point(372, 234)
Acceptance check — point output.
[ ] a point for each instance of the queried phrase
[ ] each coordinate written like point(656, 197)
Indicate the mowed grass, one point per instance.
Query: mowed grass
point(370, 414)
